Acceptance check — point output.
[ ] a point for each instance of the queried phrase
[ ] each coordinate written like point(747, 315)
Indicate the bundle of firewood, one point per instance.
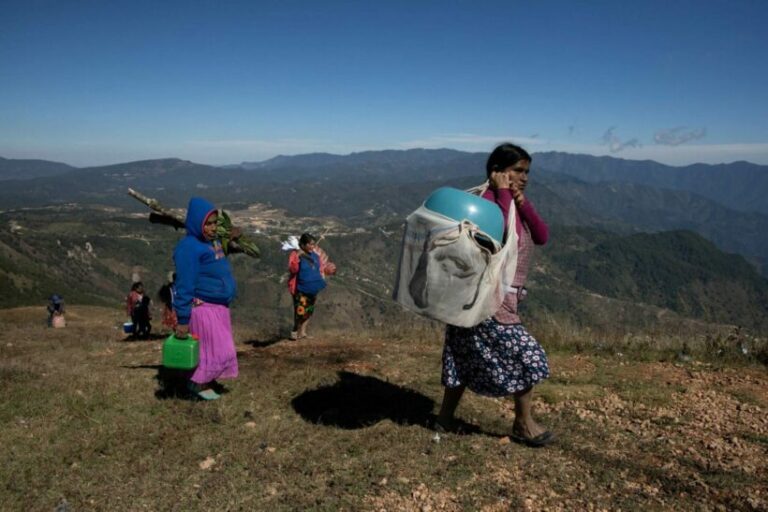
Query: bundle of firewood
point(233, 240)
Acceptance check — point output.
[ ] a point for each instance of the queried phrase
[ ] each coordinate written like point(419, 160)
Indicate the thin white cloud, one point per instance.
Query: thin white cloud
point(469, 141)
point(678, 135)
point(252, 149)
point(235, 150)
point(682, 154)
point(615, 144)
point(221, 151)
point(262, 145)
point(715, 153)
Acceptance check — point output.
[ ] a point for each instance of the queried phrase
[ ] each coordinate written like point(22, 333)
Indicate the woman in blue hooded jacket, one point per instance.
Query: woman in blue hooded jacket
point(204, 289)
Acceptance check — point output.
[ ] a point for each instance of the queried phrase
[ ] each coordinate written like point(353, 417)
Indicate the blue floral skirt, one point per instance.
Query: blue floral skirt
point(493, 359)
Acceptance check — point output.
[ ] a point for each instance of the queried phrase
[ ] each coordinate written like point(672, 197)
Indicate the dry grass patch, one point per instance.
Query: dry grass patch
point(340, 422)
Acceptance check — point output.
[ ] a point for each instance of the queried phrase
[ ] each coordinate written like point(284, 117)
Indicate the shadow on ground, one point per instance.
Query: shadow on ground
point(259, 343)
point(174, 383)
point(155, 336)
point(358, 401)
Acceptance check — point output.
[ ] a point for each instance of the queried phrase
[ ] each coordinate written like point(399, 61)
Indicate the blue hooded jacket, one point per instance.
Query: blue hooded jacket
point(202, 269)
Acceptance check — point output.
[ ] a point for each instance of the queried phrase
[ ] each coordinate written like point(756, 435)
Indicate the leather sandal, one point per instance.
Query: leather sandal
point(539, 441)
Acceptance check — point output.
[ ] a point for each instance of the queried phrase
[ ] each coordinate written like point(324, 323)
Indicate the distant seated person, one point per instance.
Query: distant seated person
point(56, 311)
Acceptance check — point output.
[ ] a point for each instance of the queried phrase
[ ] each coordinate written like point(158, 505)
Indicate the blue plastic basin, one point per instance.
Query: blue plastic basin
point(459, 205)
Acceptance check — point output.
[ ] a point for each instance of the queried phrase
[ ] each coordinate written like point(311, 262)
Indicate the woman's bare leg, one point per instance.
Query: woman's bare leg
point(302, 329)
point(524, 424)
point(451, 399)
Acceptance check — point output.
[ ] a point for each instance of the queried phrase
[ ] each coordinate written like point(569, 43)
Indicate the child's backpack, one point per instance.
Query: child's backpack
point(451, 270)
point(327, 268)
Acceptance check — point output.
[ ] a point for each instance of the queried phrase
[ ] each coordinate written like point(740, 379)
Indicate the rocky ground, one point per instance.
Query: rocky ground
point(341, 421)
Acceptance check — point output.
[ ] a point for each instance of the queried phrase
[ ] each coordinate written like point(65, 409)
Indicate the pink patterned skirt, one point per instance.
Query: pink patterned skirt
point(212, 325)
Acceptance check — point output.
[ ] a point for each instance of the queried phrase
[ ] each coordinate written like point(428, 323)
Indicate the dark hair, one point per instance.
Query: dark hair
point(306, 238)
point(135, 286)
point(505, 155)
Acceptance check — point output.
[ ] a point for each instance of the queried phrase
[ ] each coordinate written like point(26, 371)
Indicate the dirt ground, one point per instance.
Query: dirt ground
point(341, 422)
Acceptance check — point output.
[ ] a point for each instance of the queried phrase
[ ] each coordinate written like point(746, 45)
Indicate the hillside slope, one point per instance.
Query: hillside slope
point(342, 422)
point(740, 186)
point(678, 270)
point(21, 169)
point(588, 276)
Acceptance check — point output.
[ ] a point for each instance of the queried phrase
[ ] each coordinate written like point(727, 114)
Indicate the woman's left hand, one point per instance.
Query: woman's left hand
point(499, 179)
point(182, 331)
point(518, 196)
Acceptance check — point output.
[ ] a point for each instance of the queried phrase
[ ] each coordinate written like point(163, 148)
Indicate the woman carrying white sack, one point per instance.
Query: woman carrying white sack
point(498, 357)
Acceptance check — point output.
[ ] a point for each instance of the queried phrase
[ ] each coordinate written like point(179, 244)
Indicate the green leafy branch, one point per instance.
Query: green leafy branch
point(233, 240)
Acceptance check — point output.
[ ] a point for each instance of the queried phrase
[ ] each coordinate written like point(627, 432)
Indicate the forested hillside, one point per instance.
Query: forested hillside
point(610, 258)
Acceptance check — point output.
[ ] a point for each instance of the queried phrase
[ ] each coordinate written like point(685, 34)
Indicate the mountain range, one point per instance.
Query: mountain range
point(740, 186)
point(623, 248)
point(17, 169)
point(620, 195)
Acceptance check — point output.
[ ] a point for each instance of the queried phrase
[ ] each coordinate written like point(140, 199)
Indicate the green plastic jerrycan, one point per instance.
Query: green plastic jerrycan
point(181, 354)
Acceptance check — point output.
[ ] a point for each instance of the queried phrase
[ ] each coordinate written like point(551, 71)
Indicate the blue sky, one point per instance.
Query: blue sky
point(100, 82)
